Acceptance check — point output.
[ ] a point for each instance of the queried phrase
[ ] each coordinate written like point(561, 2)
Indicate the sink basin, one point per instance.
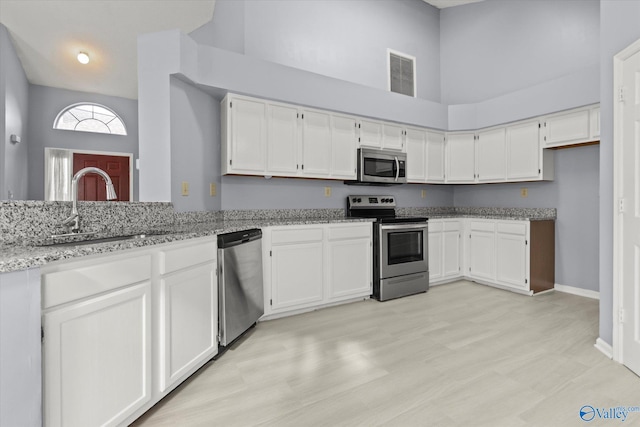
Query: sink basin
point(109, 239)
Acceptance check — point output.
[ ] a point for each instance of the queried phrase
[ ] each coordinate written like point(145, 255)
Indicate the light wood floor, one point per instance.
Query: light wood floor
point(460, 355)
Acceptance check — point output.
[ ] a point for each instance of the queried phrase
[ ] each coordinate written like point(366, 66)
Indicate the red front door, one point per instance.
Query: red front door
point(91, 186)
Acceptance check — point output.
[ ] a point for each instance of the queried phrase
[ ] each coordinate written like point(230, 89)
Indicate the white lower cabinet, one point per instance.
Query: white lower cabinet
point(445, 249)
point(97, 353)
point(348, 254)
point(512, 253)
point(311, 266)
point(122, 330)
point(482, 250)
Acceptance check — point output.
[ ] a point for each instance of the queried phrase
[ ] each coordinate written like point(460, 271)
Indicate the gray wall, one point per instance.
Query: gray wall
point(619, 27)
point(496, 47)
point(195, 152)
point(575, 196)
point(46, 102)
point(346, 39)
point(14, 97)
point(241, 192)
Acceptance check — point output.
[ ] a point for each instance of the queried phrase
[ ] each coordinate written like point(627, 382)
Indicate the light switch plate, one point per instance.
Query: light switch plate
point(185, 188)
point(423, 194)
point(212, 189)
point(327, 191)
point(524, 192)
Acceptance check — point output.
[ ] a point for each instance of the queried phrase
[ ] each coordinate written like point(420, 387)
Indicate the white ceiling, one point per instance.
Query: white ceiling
point(441, 4)
point(48, 34)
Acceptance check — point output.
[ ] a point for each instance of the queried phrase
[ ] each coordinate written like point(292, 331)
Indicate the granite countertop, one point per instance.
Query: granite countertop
point(21, 257)
point(487, 216)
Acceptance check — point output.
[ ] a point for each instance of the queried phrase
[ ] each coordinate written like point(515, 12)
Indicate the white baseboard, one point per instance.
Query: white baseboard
point(604, 348)
point(577, 291)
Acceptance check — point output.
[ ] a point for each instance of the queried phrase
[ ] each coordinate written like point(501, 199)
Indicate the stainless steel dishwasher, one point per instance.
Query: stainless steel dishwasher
point(240, 289)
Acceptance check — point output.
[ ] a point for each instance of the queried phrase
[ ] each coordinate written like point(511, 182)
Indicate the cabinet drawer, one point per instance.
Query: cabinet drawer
point(69, 285)
point(349, 232)
point(512, 228)
point(186, 256)
point(451, 225)
point(483, 226)
point(435, 226)
point(296, 235)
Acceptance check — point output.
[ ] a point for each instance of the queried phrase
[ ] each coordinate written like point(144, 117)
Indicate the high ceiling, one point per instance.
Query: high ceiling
point(48, 35)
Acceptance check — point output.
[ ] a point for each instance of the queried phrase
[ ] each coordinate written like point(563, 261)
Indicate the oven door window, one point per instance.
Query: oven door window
point(379, 167)
point(404, 247)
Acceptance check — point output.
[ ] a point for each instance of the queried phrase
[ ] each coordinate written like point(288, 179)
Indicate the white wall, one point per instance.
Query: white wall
point(497, 47)
point(619, 27)
point(346, 39)
point(14, 97)
point(44, 105)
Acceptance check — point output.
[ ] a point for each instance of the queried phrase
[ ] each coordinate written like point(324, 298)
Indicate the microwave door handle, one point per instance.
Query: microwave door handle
point(397, 168)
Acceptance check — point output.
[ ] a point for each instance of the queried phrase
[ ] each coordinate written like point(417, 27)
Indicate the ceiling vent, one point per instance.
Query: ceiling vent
point(402, 73)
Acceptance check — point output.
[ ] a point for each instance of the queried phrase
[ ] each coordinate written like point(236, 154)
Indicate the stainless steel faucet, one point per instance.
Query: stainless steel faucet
point(73, 222)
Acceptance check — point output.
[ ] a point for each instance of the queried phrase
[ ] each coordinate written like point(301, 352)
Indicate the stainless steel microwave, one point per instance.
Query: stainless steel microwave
point(381, 167)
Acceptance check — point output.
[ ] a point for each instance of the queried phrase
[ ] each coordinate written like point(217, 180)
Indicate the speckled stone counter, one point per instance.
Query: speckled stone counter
point(26, 226)
point(520, 214)
point(21, 249)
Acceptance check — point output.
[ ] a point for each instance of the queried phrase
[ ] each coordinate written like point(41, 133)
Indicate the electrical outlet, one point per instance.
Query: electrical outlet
point(524, 192)
point(327, 191)
point(424, 194)
point(212, 189)
point(185, 188)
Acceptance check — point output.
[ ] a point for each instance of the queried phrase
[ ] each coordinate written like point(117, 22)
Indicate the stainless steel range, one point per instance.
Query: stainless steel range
point(400, 246)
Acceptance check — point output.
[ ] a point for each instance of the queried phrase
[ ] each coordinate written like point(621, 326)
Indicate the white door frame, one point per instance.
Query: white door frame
point(618, 62)
point(73, 151)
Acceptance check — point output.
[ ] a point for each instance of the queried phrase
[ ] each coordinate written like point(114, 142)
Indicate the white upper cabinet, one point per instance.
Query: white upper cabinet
point(435, 156)
point(392, 137)
point(416, 143)
point(523, 151)
point(244, 128)
point(491, 161)
point(577, 126)
point(282, 139)
point(370, 133)
point(460, 157)
point(343, 146)
point(316, 143)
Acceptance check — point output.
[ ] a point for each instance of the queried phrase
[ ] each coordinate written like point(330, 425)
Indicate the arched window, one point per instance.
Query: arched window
point(90, 118)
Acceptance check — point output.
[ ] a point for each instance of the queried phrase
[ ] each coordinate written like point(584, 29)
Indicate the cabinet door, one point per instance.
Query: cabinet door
point(296, 275)
point(416, 141)
point(392, 137)
point(492, 162)
point(451, 251)
point(316, 143)
point(461, 158)
point(435, 157)
point(435, 251)
point(482, 255)
point(97, 355)
point(566, 129)
point(282, 140)
point(523, 151)
point(349, 268)
point(188, 321)
point(512, 266)
point(343, 147)
point(248, 136)
point(370, 134)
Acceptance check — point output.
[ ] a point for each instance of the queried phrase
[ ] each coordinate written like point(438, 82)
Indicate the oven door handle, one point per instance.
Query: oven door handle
point(397, 168)
point(413, 226)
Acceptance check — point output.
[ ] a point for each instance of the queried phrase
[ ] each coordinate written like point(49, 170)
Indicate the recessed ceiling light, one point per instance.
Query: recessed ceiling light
point(83, 58)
